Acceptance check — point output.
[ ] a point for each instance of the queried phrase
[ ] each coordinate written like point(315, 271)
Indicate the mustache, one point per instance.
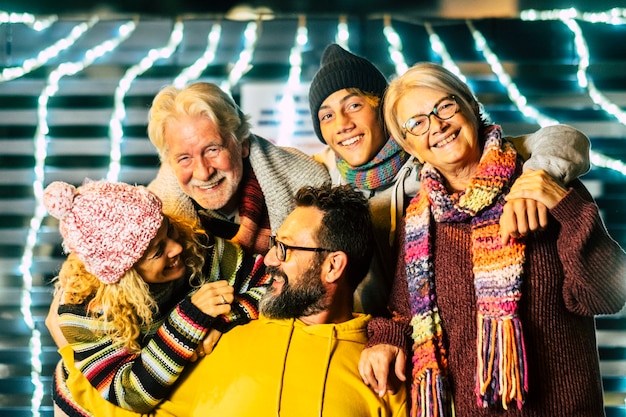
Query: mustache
point(274, 271)
point(211, 181)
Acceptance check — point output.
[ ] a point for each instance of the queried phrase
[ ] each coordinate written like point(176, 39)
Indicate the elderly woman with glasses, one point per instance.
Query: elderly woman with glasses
point(492, 326)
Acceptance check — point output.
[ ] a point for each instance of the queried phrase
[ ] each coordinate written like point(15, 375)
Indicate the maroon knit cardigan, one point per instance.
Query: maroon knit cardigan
point(573, 271)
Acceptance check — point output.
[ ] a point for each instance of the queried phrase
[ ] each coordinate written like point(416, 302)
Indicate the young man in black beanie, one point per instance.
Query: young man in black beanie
point(345, 100)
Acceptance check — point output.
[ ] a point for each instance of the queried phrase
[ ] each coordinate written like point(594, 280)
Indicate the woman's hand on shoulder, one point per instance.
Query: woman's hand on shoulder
point(382, 368)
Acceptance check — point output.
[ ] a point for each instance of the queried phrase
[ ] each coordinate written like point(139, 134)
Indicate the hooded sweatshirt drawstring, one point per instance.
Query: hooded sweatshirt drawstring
point(329, 353)
point(332, 338)
point(282, 373)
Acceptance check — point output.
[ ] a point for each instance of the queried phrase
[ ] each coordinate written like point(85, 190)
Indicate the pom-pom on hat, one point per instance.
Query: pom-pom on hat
point(341, 69)
point(108, 225)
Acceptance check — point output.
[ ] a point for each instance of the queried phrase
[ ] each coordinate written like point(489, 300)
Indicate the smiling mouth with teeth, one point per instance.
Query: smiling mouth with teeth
point(210, 185)
point(351, 141)
point(445, 141)
point(175, 263)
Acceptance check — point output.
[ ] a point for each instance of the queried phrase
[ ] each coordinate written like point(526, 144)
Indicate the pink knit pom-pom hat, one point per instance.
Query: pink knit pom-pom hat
point(108, 225)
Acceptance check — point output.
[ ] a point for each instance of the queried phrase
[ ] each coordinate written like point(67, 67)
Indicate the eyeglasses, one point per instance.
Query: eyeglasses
point(420, 123)
point(281, 248)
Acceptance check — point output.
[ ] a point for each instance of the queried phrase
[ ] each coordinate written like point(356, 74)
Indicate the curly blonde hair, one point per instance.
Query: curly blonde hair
point(127, 307)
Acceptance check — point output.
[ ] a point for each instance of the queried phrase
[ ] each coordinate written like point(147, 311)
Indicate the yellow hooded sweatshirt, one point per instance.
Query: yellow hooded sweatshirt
point(284, 368)
point(276, 368)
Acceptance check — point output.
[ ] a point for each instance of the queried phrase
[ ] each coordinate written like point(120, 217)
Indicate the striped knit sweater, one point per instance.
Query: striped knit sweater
point(139, 381)
point(573, 271)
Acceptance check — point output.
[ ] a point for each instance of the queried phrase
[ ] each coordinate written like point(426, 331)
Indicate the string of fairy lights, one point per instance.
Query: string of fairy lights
point(395, 46)
point(243, 64)
point(438, 47)
point(570, 18)
point(116, 130)
point(343, 34)
point(195, 70)
point(65, 69)
point(287, 103)
point(48, 53)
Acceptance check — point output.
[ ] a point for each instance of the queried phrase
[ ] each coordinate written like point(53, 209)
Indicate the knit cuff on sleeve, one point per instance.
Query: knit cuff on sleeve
point(573, 206)
point(194, 315)
point(224, 326)
point(386, 331)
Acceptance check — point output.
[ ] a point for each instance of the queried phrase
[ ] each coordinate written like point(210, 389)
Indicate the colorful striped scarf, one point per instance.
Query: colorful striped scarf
point(254, 229)
point(501, 356)
point(378, 172)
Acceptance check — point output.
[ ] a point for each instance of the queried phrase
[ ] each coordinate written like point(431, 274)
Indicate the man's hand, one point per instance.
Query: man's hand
point(376, 364)
point(528, 202)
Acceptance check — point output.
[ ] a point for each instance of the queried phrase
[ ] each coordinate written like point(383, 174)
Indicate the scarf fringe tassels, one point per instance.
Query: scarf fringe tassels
point(501, 374)
point(429, 396)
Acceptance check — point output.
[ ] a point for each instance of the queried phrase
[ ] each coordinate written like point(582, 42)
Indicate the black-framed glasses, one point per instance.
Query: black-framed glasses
point(420, 123)
point(281, 248)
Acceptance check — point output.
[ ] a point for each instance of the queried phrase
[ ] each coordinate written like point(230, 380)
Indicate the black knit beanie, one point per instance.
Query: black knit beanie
point(341, 69)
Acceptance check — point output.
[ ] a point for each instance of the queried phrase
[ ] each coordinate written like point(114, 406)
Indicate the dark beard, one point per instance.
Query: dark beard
point(305, 298)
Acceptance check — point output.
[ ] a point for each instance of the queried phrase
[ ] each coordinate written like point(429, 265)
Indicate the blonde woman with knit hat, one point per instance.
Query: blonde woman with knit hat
point(345, 100)
point(490, 326)
point(135, 296)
